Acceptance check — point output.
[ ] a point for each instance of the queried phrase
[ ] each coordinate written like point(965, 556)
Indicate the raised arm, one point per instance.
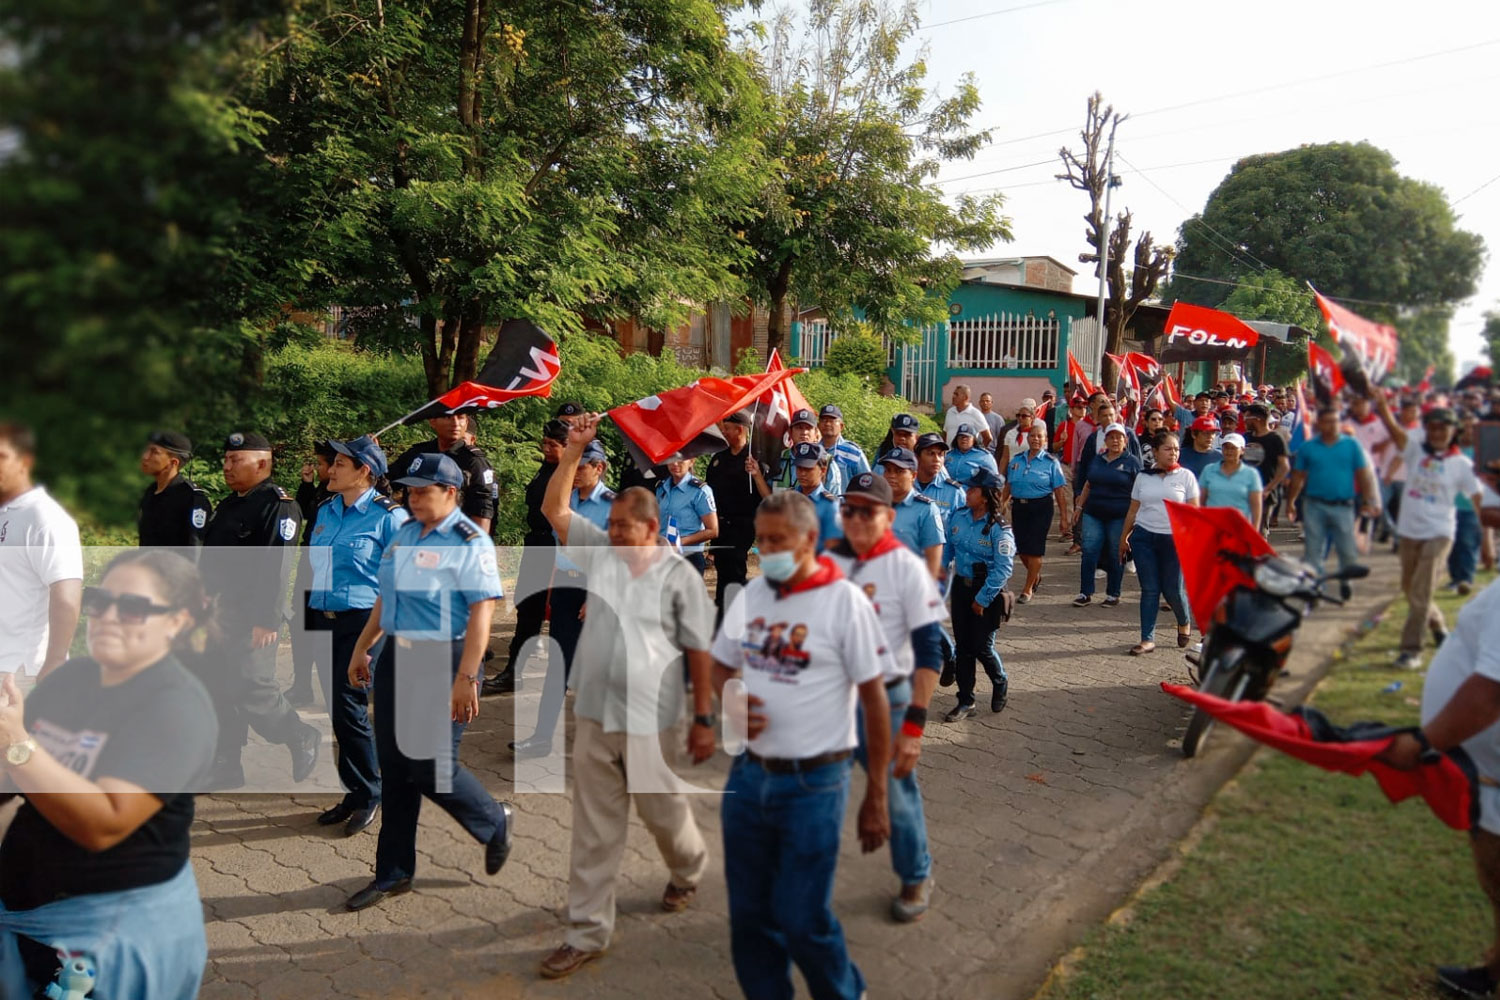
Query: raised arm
point(1398, 433)
point(555, 503)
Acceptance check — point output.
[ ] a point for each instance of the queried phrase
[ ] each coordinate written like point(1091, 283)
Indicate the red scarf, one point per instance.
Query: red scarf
point(889, 542)
point(826, 573)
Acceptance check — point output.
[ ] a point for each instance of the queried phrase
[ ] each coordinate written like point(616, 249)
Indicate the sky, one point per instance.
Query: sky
point(1417, 80)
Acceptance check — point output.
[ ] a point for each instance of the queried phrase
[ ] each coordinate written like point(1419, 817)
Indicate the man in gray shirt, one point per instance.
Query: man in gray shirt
point(992, 420)
point(647, 610)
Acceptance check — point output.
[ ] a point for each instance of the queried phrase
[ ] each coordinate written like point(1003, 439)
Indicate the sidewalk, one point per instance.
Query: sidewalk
point(1043, 819)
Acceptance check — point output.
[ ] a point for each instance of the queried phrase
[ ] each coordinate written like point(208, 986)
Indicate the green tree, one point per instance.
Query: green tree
point(860, 354)
point(1492, 338)
point(541, 161)
point(852, 216)
point(1271, 295)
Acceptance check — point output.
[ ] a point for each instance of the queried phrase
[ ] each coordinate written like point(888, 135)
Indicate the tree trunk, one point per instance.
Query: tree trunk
point(430, 367)
point(470, 338)
point(438, 349)
point(776, 324)
point(470, 71)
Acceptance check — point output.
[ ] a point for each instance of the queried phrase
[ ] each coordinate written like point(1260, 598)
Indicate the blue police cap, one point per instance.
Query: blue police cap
point(901, 458)
point(594, 452)
point(432, 470)
point(364, 451)
point(831, 410)
point(904, 422)
point(985, 479)
point(804, 417)
point(807, 454)
point(965, 429)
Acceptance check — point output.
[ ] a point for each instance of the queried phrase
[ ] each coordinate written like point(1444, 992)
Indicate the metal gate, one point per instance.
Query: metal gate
point(920, 363)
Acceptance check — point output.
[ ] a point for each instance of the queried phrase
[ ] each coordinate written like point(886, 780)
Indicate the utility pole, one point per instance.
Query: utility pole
point(1109, 187)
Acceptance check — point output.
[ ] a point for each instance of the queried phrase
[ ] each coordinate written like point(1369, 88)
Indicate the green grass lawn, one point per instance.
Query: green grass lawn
point(1305, 884)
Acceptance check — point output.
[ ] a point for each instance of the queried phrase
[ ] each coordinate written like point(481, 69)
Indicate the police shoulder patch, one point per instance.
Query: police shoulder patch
point(609, 495)
point(385, 503)
point(921, 497)
point(467, 530)
point(1006, 546)
point(288, 529)
point(200, 517)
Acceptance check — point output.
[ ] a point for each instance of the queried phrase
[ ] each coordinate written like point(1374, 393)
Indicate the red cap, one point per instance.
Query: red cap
point(1205, 423)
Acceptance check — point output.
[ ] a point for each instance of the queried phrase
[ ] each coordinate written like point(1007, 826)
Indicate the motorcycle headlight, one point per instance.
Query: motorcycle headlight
point(1278, 579)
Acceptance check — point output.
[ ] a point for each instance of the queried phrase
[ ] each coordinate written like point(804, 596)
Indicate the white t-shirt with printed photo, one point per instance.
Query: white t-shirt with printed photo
point(39, 546)
point(1432, 483)
point(804, 655)
point(905, 597)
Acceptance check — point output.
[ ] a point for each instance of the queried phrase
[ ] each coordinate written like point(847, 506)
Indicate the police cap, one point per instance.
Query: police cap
point(239, 441)
point(869, 486)
point(901, 458)
point(364, 451)
point(173, 443)
point(432, 470)
point(807, 454)
point(904, 422)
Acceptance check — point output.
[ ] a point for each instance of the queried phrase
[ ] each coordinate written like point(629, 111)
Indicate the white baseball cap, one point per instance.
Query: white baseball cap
point(1238, 440)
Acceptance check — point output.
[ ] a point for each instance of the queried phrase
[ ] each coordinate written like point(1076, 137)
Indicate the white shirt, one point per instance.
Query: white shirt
point(1473, 647)
point(1371, 434)
point(905, 597)
point(1016, 439)
point(39, 546)
point(804, 656)
point(1153, 491)
point(1427, 508)
point(970, 415)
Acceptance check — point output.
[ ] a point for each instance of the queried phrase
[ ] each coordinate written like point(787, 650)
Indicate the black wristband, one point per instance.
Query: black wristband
point(916, 716)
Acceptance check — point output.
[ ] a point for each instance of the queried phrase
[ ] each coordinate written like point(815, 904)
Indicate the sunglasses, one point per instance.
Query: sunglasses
point(133, 608)
point(858, 510)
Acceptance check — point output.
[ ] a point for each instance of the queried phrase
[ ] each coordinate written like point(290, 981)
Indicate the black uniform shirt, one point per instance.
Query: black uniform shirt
point(248, 555)
point(480, 492)
point(538, 528)
point(311, 496)
point(176, 517)
point(734, 492)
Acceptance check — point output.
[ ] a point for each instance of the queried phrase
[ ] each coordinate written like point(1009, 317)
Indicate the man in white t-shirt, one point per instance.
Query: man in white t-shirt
point(806, 644)
point(41, 566)
point(964, 412)
point(1436, 473)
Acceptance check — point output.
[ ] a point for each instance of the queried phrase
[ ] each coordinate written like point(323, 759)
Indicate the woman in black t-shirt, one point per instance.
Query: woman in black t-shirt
point(107, 751)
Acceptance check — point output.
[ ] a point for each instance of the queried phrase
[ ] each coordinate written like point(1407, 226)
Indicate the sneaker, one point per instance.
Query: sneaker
point(909, 911)
point(999, 695)
point(1408, 661)
point(1082, 601)
point(958, 713)
point(565, 961)
point(1460, 982)
point(1099, 574)
point(675, 899)
point(1111, 600)
point(1130, 566)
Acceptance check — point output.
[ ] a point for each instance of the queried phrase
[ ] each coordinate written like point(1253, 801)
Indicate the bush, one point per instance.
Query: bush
point(859, 355)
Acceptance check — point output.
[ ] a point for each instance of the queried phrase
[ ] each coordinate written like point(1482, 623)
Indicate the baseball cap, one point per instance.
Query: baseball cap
point(831, 410)
point(172, 442)
point(1204, 423)
point(904, 422)
point(806, 454)
point(1027, 404)
point(570, 410)
point(240, 441)
point(985, 479)
point(556, 430)
point(1439, 415)
point(432, 470)
point(1121, 428)
point(964, 429)
point(740, 417)
point(870, 486)
point(1238, 440)
point(594, 452)
point(804, 417)
point(901, 458)
point(1078, 399)
point(365, 451)
point(931, 440)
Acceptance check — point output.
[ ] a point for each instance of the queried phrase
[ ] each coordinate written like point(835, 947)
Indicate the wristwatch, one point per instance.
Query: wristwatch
point(710, 720)
point(1428, 754)
point(19, 753)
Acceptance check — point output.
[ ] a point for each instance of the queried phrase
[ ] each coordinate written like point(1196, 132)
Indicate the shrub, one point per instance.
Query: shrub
point(860, 355)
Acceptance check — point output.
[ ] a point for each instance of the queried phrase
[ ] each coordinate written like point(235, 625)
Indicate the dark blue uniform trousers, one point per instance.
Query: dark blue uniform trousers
point(348, 708)
point(419, 690)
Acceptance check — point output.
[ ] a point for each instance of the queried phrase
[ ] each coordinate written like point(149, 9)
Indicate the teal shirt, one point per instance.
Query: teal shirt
point(1331, 468)
point(1230, 491)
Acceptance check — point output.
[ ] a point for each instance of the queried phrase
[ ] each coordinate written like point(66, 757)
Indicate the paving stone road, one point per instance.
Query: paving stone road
point(1043, 819)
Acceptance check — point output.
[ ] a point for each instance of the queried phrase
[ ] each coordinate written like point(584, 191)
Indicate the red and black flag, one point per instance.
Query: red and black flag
point(771, 417)
point(682, 421)
point(1369, 348)
point(1326, 377)
point(523, 363)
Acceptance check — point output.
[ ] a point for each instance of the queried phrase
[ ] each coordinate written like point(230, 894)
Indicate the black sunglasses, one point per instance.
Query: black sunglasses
point(133, 608)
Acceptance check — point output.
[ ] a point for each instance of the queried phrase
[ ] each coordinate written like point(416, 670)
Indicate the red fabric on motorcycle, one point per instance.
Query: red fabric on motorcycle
point(1200, 534)
point(1446, 788)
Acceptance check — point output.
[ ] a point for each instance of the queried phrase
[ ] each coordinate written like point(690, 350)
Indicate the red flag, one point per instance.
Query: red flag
point(1174, 395)
point(1198, 333)
point(1444, 785)
point(1426, 383)
point(1327, 379)
point(523, 363)
point(682, 420)
point(772, 415)
point(1147, 368)
point(1200, 534)
point(1078, 376)
point(1374, 344)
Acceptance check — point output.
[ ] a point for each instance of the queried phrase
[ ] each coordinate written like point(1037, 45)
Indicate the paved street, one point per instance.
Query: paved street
point(1043, 819)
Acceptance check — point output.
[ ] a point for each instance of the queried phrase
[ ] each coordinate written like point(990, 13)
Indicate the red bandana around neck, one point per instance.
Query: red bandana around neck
point(826, 573)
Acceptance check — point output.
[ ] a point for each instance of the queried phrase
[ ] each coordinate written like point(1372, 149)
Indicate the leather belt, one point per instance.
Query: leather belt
point(1331, 503)
point(1024, 500)
point(895, 683)
point(786, 765)
point(334, 616)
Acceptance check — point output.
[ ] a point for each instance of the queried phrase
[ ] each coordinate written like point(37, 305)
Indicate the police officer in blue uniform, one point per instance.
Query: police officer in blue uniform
point(349, 537)
point(984, 552)
point(438, 586)
point(312, 493)
point(804, 430)
point(812, 463)
point(590, 499)
point(967, 456)
point(173, 512)
point(847, 455)
point(919, 523)
point(934, 483)
point(688, 511)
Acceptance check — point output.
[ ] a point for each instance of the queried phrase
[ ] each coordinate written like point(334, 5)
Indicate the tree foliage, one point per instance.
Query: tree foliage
point(1491, 336)
point(1271, 295)
point(850, 219)
point(860, 354)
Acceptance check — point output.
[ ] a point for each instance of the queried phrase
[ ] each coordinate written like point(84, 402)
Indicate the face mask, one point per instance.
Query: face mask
point(778, 566)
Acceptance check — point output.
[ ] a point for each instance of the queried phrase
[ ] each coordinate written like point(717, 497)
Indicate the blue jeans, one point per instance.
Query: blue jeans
point(1325, 524)
point(1101, 548)
point(1463, 558)
point(1160, 576)
point(909, 855)
point(781, 849)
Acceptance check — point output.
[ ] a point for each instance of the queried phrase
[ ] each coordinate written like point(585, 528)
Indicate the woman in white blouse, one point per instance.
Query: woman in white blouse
point(1147, 537)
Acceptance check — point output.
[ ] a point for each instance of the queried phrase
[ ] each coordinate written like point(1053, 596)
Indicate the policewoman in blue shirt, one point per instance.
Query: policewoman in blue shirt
point(1032, 481)
point(349, 536)
point(687, 507)
point(812, 464)
point(919, 520)
point(438, 588)
point(967, 455)
point(984, 551)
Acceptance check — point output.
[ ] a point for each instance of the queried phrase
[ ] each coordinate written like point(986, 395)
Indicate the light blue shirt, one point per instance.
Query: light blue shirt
point(919, 523)
point(594, 509)
point(961, 464)
point(427, 582)
point(345, 550)
point(686, 503)
point(1033, 478)
point(949, 496)
point(995, 548)
point(833, 476)
point(1331, 468)
point(1231, 491)
point(849, 458)
point(830, 524)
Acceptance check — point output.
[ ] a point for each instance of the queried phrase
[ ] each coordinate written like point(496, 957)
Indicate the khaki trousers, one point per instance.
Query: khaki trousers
point(601, 816)
point(1421, 560)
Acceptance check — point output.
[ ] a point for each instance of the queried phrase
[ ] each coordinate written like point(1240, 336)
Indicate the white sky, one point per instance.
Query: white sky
point(1035, 68)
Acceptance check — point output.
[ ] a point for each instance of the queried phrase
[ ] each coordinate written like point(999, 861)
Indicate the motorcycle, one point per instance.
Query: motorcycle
point(1253, 625)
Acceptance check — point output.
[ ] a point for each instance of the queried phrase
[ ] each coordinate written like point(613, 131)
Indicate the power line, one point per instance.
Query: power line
point(991, 13)
point(1229, 246)
point(1335, 298)
point(1476, 190)
point(1000, 170)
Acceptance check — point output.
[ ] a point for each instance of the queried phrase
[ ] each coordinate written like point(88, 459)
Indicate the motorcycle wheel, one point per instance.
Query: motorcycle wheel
point(1218, 680)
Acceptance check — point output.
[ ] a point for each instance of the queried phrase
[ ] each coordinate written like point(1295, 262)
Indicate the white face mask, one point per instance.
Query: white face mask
point(779, 566)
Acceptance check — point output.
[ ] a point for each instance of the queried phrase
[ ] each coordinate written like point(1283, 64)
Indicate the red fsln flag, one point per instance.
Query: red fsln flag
point(1374, 344)
point(1078, 376)
point(1200, 534)
point(772, 416)
point(1327, 379)
point(682, 420)
point(524, 363)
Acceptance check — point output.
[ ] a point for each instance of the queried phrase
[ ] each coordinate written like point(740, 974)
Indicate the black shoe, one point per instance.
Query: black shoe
point(1460, 982)
point(1345, 590)
point(299, 695)
point(958, 713)
point(338, 814)
point(502, 683)
point(998, 696)
point(947, 678)
point(372, 894)
point(226, 776)
point(1439, 636)
point(532, 747)
point(361, 819)
point(304, 747)
point(498, 849)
